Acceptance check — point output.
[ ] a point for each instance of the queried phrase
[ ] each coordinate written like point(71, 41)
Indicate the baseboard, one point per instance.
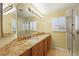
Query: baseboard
point(63, 49)
point(68, 51)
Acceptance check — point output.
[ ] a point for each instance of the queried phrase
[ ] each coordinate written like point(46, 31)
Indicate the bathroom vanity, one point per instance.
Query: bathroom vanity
point(33, 46)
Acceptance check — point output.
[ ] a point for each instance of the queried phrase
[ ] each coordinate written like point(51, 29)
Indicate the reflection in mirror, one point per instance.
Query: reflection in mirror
point(23, 20)
point(9, 20)
point(26, 22)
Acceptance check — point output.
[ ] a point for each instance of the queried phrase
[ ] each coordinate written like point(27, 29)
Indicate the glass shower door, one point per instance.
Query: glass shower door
point(76, 32)
point(69, 19)
point(73, 31)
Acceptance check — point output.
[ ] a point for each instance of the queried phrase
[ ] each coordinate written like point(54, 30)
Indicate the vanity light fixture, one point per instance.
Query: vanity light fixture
point(7, 8)
point(35, 13)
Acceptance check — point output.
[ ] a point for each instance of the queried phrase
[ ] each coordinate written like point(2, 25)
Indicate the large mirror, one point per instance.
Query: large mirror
point(26, 20)
point(19, 20)
point(9, 20)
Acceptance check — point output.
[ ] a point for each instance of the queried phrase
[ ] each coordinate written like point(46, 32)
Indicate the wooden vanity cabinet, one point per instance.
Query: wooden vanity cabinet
point(45, 46)
point(40, 49)
point(48, 42)
point(27, 53)
point(37, 50)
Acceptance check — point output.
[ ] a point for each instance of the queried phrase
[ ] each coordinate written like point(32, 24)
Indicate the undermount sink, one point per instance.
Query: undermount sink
point(33, 38)
point(31, 41)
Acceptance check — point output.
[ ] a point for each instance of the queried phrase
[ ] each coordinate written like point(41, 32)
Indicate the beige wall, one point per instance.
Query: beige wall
point(59, 38)
point(7, 23)
point(44, 25)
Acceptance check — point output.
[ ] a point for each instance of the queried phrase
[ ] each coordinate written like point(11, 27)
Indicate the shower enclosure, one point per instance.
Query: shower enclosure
point(72, 17)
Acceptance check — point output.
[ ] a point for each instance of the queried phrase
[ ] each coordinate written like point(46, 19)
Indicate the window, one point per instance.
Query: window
point(59, 24)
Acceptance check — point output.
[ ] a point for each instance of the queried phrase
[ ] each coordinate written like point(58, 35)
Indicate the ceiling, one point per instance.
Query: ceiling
point(23, 13)
point(48, 7)
point(23, 10)
point(44, 8)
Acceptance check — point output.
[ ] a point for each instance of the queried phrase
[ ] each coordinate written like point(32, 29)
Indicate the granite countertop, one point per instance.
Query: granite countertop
point(17, 47)
point(5, 40)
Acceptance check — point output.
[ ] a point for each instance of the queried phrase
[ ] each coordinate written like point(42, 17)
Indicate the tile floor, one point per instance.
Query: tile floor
point(57, 52)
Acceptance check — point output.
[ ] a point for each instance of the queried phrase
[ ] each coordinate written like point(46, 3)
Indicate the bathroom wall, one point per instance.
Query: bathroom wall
point(7, 22)
point(59, 38)
point(44, 25)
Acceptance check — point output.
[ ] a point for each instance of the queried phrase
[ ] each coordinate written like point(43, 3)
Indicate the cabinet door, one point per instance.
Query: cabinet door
point(41, 48)
point(35, 50)
point(49, 42)
point(27, 53)
point(38, 50)
point(69, 22)
point(76, 31)
point(45, 46)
